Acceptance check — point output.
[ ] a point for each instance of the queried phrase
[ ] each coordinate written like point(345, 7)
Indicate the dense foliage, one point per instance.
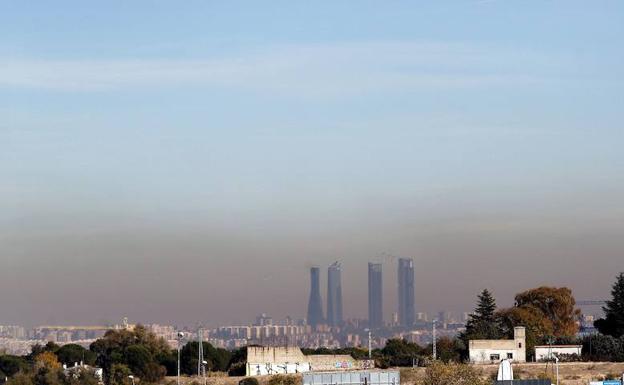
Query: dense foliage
point(45, 369)
point(483, 324)
point(613, 323)
point(603, 348)
point(217, 359)
point(138, 351)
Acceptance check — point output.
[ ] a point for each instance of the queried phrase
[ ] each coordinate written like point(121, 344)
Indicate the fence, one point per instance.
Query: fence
point(353, 378)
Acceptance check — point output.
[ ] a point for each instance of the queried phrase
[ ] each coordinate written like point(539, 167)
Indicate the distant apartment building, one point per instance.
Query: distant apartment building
point(13, 331)
point(375, 295)
point(315, 306)
point(406, 292)
point(334, 295)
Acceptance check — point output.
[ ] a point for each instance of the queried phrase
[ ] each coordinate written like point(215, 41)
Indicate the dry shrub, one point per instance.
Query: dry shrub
point(452, 374)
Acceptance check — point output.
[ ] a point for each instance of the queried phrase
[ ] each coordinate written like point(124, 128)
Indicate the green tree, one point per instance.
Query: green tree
point(483, 323)
point(138, 358)
point(12, 365)
point(37, 349)
point(122, 347)
point(613, 323)
point(449, 349)
point(217, 358)
point(71, 353)
point(398, 352)
point(237, 364)
point(603, 348)
point(119, 375)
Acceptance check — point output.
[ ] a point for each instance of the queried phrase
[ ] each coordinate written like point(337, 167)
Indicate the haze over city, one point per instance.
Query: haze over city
point(190, 163)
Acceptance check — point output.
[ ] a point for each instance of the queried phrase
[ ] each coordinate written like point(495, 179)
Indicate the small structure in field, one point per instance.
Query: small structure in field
point(493, 351)
point(545, 352)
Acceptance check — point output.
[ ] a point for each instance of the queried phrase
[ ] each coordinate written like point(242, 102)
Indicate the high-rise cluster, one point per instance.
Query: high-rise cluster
point(405, 278)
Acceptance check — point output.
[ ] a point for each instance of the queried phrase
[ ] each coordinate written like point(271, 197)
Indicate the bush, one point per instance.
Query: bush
point(11, 365)
point(282, 379)
point(20, 379)
point(452, 374)
point(248, 381)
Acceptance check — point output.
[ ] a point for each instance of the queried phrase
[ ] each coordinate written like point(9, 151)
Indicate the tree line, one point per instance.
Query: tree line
point(549, 315)
point(120, 353)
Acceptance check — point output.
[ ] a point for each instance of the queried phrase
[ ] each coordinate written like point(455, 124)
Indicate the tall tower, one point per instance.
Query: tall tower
point(334, 295)
point(406, 292)
point(375, 307)
point(315, 307)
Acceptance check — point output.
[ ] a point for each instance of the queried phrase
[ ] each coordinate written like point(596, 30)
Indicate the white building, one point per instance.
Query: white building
point(545, 352)
point(263, 360)
point(493, 351)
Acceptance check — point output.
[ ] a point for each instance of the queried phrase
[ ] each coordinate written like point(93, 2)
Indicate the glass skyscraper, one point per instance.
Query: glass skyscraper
point(315, 306)
point(406, 292)
point(375, 297)
point(334, 295)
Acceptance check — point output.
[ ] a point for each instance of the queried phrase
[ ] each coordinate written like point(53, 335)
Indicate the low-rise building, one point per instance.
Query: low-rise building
point(493, 351)
point(262, 360)
point(545, 352)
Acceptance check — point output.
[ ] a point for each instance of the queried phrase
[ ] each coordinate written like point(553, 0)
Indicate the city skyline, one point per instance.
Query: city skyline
point(183, 163)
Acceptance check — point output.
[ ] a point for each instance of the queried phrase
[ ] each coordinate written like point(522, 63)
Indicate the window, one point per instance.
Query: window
point(494, 357)
point(510, 356)
point(519, 345)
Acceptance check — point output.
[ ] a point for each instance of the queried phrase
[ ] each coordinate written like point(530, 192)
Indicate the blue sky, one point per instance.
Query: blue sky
point(294, 133)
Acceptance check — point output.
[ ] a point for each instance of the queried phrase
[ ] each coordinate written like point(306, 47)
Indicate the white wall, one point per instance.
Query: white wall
point(542, 352)
point(260, 369)
point(482, 356)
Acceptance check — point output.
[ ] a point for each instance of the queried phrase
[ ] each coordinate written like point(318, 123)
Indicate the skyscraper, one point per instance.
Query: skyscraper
point(406, 292)
point(334, 295)
point(375, 308)
point(315, 307)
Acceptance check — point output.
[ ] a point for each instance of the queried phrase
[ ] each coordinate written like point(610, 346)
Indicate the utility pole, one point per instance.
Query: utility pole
point(556, 365)
point(200, 355)
point(435, 347)
point(180, 336)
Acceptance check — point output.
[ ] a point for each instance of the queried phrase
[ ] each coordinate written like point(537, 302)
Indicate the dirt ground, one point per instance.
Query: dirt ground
point(577, 373)
point(574, 373)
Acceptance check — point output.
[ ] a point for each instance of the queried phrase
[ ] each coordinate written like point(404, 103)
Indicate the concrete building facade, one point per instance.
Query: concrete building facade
point(493, 351)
